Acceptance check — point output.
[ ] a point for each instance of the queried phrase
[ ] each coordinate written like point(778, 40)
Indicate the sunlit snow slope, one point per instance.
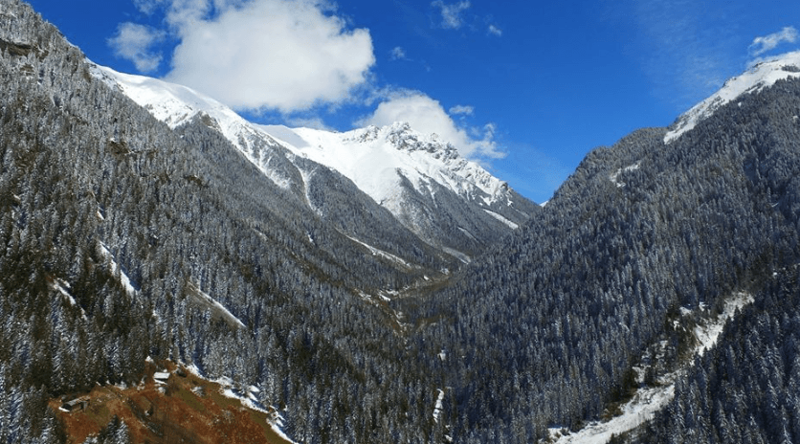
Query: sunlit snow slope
point(447, 200)
point(760, 76)
point(379, 159)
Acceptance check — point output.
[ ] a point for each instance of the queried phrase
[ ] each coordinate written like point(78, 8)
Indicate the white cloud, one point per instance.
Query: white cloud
point(134, 42)
point(764, 44)
point(451, 14)
point(285, 55)
point(399, 53)
point(307, 122)
point(494, 30)
point(185, 13)
point(427, 115)
point(147, 6)
point(462, 110)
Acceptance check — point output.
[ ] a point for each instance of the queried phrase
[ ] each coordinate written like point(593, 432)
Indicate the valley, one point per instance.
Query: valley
point(171, 272)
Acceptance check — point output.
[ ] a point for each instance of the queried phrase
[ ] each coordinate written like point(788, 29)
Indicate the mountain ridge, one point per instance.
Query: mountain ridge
point(125, 241)
point(762, 74)
point(445, 199)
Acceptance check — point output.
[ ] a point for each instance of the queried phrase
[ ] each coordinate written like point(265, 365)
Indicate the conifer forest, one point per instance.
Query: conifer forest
point(124, 241)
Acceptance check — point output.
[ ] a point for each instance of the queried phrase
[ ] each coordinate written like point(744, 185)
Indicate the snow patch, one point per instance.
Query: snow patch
point(467, 233)
point(650, 400)
point(437, 409)
point(161, 377)
point(757, 78)
point(644, 405)
point(63, 288)
point(614, 177)
point(502, 219)
point(211, 302)
point(708, 334)
point(274, 419)
point(59, 285)
point(115, 268)
point(457, 254)
point(306, 176)
point(383, 254)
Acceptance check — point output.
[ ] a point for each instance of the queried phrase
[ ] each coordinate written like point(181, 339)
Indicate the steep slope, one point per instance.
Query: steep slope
point(450, 202)
point(332, 197)
point(422, 180)
point(639, 240)
point(762, 75)
point(745, 390)
point(123, 238)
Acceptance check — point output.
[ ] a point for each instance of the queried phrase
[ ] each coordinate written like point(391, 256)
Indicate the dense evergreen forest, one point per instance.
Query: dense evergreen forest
point(116, 230)
point(545, 330)
point(113, 228)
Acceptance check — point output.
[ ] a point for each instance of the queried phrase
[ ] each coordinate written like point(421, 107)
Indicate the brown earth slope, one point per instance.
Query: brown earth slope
point(183, 409)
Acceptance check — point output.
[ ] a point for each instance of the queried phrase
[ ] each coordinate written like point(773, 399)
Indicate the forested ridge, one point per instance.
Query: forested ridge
point(97, 193)
point(544, 331)
point(116, 230)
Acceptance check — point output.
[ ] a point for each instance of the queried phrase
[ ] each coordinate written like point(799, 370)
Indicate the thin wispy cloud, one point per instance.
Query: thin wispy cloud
point(494, 30)
point(452, 14)
point(398, 53)
point(464, 110)
point(148, 6)
point(685, 50)
point(767, 43)
point(134, 42)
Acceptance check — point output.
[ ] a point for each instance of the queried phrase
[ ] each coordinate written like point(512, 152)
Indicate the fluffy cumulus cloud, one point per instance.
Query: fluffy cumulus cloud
point(427, 115)
point(452, 13)
point(134, 42)
point(285, 55)
point(277, 54)
point(767, 43)
point(495, 31)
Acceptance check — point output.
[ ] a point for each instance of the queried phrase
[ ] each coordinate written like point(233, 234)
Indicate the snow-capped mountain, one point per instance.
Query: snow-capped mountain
point(448, 201)
point(414, 176)
point(177, 105)
point(376, 159)
point(761, 75)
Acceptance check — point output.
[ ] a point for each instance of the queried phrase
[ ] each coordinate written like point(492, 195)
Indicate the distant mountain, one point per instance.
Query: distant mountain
point(448, 201)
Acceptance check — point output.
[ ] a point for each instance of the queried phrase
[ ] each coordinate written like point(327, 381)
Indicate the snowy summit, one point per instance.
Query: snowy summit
point(761, 75)
point(378, 160)
point(421, 179)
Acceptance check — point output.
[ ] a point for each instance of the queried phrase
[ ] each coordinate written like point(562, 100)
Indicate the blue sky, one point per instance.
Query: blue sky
point(527, 88)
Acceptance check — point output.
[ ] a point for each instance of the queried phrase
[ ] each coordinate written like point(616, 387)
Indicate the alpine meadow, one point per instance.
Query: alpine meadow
point(172, 272)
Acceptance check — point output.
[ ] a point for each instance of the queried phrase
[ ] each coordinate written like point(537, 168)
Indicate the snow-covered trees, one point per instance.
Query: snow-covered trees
point(111, 224)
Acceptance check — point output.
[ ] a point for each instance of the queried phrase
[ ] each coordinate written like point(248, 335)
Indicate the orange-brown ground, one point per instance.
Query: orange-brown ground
point(187, 409)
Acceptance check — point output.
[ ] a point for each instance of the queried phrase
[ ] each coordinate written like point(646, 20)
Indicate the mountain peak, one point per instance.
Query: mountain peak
point(421, 179)
point(403, 137)
point(761, 75)
point(376, 157)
